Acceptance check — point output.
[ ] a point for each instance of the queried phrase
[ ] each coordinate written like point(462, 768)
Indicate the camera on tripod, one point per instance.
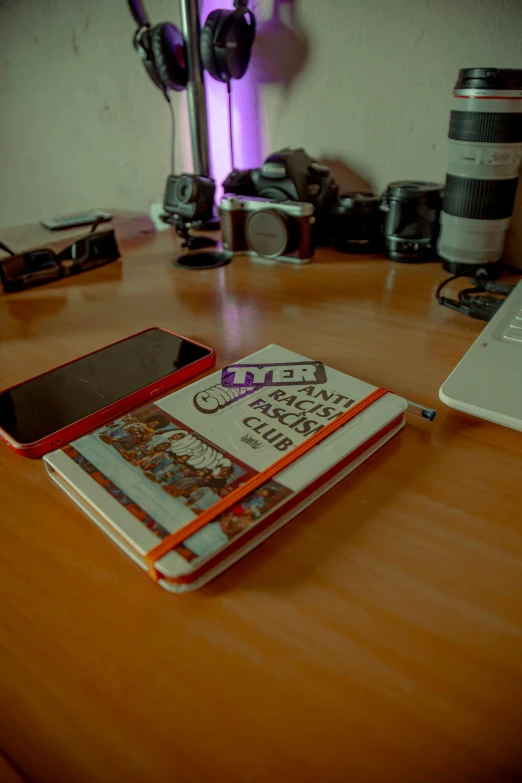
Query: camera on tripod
point(189, 203)
point(189, 199)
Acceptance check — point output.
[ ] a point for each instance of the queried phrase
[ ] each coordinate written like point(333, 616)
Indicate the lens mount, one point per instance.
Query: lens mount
point(266, 233)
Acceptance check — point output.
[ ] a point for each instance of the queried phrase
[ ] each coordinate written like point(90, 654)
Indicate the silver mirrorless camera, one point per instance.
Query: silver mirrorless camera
point(277, 230)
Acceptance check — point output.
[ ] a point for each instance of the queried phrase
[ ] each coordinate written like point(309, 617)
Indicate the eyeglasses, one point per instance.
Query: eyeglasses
point(37, 267)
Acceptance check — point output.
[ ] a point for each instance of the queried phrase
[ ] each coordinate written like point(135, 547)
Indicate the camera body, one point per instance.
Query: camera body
point(189, 197)
point(290, 175)
point(356, 223)
point(267, 228)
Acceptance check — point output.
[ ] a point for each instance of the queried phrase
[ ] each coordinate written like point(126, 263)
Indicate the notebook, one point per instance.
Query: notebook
point(186, 486)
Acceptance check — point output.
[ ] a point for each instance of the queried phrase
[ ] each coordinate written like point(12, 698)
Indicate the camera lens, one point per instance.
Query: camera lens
point(485, 149)
point(355, 223)
point(411, 220)
point(266, 233)
point(184, 190)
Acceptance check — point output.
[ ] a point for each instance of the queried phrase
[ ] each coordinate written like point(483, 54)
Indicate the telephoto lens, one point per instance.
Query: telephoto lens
point(411, 220)
point(485, 149)
point(355, 223)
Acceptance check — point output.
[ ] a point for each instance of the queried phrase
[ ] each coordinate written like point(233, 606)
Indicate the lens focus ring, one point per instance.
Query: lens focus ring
point(495, 127)
point(480, 199)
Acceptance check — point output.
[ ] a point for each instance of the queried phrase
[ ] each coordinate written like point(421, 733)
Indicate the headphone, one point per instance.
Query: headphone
point(226, 43)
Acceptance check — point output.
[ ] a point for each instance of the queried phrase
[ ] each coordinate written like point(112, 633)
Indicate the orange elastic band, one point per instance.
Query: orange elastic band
point(210, 514)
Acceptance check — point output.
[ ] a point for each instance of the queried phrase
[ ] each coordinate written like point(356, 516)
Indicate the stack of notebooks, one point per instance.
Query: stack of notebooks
point(188, 485)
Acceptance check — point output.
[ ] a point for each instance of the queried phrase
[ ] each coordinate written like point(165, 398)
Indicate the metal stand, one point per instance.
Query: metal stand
point(197, 100)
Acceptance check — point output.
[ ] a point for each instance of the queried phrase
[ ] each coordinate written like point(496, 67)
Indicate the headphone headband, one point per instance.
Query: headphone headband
point(138, 13)
point(142, 20)
point(225, 45)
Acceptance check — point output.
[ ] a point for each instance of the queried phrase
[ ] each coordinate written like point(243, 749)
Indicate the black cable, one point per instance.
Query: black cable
point(491, 286)
point(172, 134)
point(511, 270)
point(230, 127)
point(477, 299)
point(7, 249)
point(446, 282)
point(482, 301)
point(482, 314)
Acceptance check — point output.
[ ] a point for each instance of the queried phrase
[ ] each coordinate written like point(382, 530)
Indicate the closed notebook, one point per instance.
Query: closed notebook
point(185, 487)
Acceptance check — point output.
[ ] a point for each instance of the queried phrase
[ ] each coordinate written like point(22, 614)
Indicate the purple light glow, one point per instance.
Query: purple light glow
point(246, 118)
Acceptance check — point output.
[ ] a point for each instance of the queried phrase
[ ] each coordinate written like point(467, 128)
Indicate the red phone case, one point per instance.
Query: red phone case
point(118, 408)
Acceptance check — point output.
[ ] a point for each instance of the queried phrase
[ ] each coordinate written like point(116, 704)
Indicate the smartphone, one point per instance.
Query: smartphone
point(72, 221)
point(48, 411)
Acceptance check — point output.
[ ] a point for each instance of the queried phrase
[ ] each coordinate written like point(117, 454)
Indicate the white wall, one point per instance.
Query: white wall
point(80, 124)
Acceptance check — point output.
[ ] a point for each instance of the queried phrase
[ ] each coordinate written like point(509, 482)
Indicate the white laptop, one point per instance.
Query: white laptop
point(488, 381)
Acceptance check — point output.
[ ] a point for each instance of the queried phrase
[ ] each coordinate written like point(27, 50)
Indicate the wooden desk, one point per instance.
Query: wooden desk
point(378, 637)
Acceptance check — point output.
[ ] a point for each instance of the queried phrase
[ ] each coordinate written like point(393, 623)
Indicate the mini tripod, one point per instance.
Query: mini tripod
point(183, 227)
point(195, 259)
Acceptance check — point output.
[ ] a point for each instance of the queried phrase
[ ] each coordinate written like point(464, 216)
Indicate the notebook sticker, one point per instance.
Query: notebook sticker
point(216, 398)
point(273, 374)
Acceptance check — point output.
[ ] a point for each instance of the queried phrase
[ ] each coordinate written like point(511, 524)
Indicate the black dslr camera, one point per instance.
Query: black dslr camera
point(290, 175)
point(189, 198)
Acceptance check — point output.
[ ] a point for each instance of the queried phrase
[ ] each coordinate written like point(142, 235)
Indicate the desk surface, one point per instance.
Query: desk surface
point(378, 637)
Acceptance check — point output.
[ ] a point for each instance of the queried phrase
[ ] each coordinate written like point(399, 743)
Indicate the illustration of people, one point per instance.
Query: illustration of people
point(202, 498)
point(220, 477)
point(130, 455)
point(155, 424)
point(169, 473)
point(125, 438)
point(178, 491)
point(153, 456)
point(244, 514)
point(231, 524)
point(256, 505)
point(182, 464)
point(225, 491)
point(188, 483)
point(166, 437)
point(132, 434)
point(130, 418)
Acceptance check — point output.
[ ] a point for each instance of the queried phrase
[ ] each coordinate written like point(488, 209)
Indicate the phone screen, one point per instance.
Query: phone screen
point(40, 407)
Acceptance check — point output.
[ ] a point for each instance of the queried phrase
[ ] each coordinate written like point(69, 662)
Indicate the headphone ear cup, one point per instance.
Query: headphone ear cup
point(142, 44)
point(242, 34)
point(168, 55)
point(211, 58)
point(226, 43)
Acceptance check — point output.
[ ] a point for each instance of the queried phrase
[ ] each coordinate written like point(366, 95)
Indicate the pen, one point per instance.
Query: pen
point(420, 410)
